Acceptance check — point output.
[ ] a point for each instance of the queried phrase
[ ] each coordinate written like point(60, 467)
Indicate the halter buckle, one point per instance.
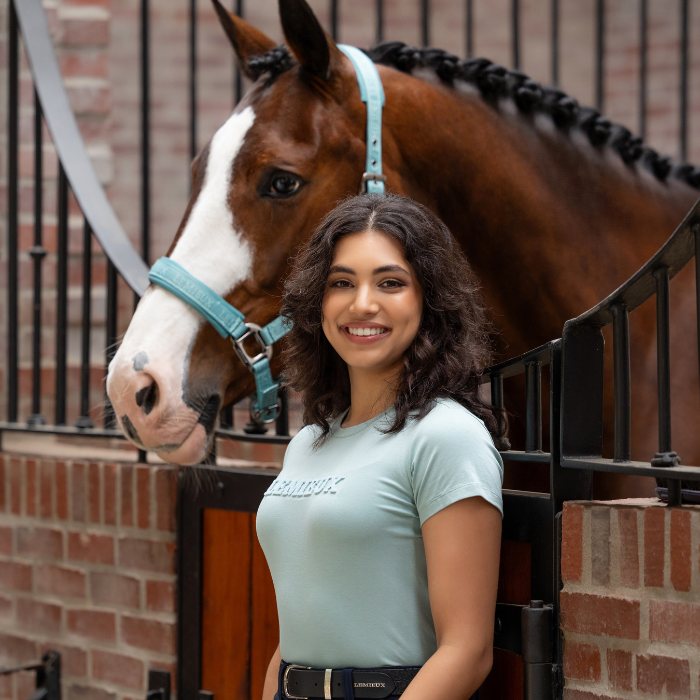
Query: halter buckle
point(257, 415)
point(370, 177)
point(248, 360)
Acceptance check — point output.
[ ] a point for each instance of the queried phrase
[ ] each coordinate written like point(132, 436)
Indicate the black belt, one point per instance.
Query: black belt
point(301, 682)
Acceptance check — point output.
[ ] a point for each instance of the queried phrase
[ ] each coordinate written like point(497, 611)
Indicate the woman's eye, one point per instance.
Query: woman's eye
point(392, 284)
point(343, 284)
point(283, 186)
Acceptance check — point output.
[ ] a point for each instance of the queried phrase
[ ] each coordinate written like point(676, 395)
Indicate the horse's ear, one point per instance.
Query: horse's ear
point(246, 40)
point(311, 46)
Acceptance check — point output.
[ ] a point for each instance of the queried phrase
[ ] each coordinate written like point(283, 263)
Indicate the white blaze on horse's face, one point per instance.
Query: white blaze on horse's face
point(147, 378)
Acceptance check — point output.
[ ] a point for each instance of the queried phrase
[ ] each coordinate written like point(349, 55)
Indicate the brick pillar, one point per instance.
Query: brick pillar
point(630, 607)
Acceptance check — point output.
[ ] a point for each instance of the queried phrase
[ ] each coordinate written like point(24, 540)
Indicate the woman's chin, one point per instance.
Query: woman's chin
point(193, 450)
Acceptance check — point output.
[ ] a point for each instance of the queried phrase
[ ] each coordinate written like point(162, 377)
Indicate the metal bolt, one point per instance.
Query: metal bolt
point(374, 162)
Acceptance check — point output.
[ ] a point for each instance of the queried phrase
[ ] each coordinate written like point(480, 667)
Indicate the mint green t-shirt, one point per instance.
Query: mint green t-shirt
point(341, 530)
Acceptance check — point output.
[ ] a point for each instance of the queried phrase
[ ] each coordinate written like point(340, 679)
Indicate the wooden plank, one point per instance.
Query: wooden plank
point(505, 682)
point(265, 629)
point(226, 603)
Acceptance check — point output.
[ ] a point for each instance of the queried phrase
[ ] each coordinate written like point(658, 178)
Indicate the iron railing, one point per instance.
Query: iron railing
point(48, 675)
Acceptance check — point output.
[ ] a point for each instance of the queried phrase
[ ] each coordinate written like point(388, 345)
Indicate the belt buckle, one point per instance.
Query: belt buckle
point(285, 681)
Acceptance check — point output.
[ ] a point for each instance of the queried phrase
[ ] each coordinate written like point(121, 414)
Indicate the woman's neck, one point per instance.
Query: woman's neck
point(371, 393)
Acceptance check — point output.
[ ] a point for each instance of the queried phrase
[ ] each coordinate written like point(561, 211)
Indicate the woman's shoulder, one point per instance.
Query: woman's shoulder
point(449, 420)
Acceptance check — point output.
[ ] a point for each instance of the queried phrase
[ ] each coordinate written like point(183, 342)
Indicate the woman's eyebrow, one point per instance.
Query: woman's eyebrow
point(389, 268)
point(341, 268)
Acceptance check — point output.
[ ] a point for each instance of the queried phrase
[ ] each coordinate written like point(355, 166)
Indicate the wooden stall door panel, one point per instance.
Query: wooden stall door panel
point(505, 682)
point(226, 602)
point(265, 628)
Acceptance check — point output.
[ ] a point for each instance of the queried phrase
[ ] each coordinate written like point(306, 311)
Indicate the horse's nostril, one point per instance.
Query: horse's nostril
point(147, 397)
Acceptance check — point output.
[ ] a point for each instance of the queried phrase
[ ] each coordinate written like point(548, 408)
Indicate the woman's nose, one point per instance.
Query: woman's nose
point(364, 301)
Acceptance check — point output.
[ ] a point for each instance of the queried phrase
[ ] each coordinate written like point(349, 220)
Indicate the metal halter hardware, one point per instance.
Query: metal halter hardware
point(229, 321)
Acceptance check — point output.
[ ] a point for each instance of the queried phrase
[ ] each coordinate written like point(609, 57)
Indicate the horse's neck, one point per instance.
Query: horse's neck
point(543, 217)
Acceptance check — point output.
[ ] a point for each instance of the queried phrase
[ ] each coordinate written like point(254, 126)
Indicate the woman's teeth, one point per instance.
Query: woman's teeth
point(366, 331)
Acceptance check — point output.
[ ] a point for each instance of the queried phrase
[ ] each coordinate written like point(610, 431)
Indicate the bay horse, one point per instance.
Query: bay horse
point(553, 205)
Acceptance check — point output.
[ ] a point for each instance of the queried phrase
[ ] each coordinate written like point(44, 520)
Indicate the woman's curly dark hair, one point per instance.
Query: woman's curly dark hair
point(452, 345)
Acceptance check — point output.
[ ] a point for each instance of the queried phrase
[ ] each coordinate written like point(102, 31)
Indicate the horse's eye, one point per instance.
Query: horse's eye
point(283, 185)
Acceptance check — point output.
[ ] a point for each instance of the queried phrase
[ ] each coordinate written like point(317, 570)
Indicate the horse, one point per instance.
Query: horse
point(553, 205)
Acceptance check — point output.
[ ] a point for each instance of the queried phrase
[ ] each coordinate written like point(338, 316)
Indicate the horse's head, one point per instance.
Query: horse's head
point(293, 147)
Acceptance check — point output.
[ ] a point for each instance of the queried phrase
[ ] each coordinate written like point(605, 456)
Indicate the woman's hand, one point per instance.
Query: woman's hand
point(273, 668)
point(462, 548)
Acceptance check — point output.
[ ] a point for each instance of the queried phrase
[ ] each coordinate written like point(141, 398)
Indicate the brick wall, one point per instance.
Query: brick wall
point(87, 567)
point(630, 607)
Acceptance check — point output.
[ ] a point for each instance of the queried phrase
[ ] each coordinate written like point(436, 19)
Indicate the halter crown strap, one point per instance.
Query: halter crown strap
point(228, 321)
point(372, 94)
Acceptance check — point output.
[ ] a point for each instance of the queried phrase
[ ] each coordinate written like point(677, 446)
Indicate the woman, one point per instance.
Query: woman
point(382, 532)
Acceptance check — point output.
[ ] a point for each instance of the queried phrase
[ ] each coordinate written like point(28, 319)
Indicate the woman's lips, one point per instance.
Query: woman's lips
point(365, 339)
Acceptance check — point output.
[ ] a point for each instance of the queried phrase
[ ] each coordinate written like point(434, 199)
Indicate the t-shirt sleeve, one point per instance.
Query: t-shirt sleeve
point(453, 457)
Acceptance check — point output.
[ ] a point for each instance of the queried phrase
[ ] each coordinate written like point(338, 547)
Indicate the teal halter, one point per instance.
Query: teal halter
point(229, 321)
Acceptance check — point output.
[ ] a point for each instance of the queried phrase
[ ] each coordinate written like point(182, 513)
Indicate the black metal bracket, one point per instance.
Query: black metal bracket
point(158, 685)
point(537, 620)
point(48, 675)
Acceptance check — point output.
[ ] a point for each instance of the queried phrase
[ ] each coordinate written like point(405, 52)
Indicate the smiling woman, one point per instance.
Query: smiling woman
point(382, 532)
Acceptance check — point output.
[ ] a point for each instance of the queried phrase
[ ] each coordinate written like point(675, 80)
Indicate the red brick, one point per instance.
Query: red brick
point(61, 491)
point(3, 495)
point(26, 684)
point(114, 589)
point(15, 576)
point(60, 580)
point(16, 485)
point(118, 669)
point(89, 98)
point(5, 540)
point(572, 542)
point(148, 555)
point(654, 535)
point(94, 492)
point(160, 596)
point(127, 480)
point(91, 547)
point(78, 31)
point(619, 669)
point(581, 661)
point(654, 673)
point(40, 542)
point(110, 493)
point(16, 649)
point(73, 659)
point(143, 478)
point(5, 607)
point(30, 487)
point(82, 63)
point(600, 546)
point(148, 634)
point(78, 492)
point(166, 497)
point(34, 616)
point(7, 687)
point(46, 489)
point(680, 549)
point(629, 547)
point(85, 692)
point(97, 625)
point(601, 615)
point(674, 622)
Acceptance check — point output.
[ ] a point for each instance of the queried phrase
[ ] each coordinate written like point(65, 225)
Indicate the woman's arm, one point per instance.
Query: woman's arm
point(462, 548)
point(270, 685)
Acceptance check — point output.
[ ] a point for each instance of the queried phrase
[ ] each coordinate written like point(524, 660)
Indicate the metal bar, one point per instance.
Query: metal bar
point(110, 335)
point(239, 76)
point(533, 410)
point(683, 106)
point(663, 358)
point(145, 135)
point(61, 297)
point(282, 422)
point(643, 50)
point(515, 33)
point(623, 395)
point(37, 253)
point(696, 231)
point(12, 212)
point(193, 79)
point(425, 22)
point(380, 21)
point(334, 19)
point(600, 54)
point(555, 42)
point(469, 11)
point(84, 420)
point(497, 390)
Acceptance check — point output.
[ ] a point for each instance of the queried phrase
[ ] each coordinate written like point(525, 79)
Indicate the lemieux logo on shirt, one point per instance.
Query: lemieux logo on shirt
point(301, 487)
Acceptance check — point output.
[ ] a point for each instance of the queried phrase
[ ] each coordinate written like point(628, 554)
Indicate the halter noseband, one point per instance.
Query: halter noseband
point(229, 321)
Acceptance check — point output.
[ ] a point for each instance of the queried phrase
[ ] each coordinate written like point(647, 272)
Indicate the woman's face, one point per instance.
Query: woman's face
point(373, 303)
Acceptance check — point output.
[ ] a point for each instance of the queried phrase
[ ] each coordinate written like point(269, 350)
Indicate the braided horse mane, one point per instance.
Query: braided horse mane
point(493, 82)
